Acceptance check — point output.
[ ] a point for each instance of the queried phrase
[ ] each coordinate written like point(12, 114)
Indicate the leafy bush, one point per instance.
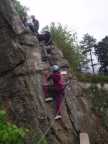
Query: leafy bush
point(99, 103)
point(92, 78)
point(65, 40)
point(20, 9)
point(39, 139)
point(10, 133)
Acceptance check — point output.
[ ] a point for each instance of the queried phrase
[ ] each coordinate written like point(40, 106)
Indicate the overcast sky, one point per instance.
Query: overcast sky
point(84, 16)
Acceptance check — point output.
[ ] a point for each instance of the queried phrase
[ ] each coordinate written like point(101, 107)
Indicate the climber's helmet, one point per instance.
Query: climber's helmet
point(55, 68)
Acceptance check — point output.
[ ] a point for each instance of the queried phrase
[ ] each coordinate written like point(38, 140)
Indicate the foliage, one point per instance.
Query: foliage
point(87, 45)
point(66, 41)
point(21, 10)
point(10, 133)
point(101, 50)
point(99, 100)
point(92, 78)
point(39, 139)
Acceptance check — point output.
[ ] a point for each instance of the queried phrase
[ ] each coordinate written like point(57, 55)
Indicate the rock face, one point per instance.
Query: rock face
point(21, 87)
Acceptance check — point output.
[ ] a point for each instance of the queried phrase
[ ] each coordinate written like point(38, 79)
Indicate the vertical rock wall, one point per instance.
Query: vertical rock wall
point(21, 85)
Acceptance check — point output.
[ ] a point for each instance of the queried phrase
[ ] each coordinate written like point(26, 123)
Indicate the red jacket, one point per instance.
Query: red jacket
point(57, 80)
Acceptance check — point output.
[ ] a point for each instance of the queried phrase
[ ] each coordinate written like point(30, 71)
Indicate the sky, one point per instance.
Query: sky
point(82, 16)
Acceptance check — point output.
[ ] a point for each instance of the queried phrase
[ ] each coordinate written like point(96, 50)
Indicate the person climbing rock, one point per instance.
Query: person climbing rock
point(58, 85)
point(45, 44)
point(45, 37)
point(35, 24)
point(44, 54)
point(29, 24)
point(48, 38)
point(24, 20)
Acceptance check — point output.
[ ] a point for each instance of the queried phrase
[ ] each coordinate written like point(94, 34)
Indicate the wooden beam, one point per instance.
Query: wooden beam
point(84, 138)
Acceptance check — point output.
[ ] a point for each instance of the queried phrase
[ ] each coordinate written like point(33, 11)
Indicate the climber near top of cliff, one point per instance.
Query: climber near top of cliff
point(28, 23)
point(35, 23)
point(32, 23)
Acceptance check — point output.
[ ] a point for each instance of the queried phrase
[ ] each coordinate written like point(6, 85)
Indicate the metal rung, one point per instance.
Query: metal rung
point(44, 58)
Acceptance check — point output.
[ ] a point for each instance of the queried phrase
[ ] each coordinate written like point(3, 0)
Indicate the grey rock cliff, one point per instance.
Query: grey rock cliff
point(21, 86)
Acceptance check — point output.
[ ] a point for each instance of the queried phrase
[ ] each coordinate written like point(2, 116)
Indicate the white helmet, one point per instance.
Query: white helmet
point(55, 68)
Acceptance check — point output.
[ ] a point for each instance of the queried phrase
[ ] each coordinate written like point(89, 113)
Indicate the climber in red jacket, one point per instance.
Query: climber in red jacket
point(58, 85)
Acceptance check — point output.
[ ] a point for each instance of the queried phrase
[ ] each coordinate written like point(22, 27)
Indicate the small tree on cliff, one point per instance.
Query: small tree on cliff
point(87, 46)
point(66, 41)
point(21, 10)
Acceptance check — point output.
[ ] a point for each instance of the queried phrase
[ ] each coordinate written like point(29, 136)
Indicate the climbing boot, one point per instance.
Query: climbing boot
point(48, 99)
point(58, 117)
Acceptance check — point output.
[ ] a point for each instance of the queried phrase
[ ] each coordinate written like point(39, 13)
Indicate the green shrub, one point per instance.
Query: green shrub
point(66, 41)
point(92, 78)
point(10, 133)
point(99, 103)
point(38, 139)
point(20, 9)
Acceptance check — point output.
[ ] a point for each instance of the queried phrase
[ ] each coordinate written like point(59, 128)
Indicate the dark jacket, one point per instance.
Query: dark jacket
point(36, 25)
point(46, 37)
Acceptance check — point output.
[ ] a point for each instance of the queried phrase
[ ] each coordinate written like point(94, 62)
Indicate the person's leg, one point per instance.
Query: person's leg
point(31, 27)
point(44, 53)
point(35, 28)
point(58, 99)
point(45, 89)
point(46, 93)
